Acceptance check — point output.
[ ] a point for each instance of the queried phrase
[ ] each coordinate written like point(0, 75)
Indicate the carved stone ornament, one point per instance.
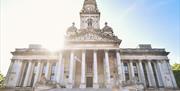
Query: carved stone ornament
point(93, 36)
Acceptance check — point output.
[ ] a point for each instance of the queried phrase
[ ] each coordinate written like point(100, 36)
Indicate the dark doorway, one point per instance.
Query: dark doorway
point(89, 82)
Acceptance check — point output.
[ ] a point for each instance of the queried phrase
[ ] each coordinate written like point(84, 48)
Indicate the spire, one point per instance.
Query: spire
point(90, 6)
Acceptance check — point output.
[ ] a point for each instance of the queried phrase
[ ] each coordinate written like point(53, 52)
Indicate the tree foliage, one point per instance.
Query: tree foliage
point(176, 66)
point(176, 71)
point(2, 79)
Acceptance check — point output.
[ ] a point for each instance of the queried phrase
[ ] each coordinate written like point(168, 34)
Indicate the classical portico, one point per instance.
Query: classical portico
point(91, 58)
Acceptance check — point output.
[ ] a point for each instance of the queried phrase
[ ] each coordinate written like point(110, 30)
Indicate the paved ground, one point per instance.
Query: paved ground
point(77, 89)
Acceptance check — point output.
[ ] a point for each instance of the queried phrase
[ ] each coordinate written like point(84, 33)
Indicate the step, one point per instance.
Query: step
point(78, 89)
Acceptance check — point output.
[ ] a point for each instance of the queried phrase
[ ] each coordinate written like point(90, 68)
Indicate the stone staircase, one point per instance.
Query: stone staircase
point(78, 89)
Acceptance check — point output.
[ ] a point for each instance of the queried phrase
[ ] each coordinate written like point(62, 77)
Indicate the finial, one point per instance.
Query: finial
point(106, 23)
point(73, 23)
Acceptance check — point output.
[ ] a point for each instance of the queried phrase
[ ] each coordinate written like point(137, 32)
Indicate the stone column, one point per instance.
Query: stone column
point(47, 70)
point(123, 72)
point(83, 70)
point(58, 68)
point(107, 70)
point(158, 74)
point(27, 74)
point(9, 73)
point(18, 71)
point(132, 70)
point(142, 73)
point(171, 75)
point(151, 73)
point(40, 72)
point(95, 75)
point(62, 72)
point(37, 73)
point(71, 66)
point(31, 74)
point(119, 66)
point(161, 72)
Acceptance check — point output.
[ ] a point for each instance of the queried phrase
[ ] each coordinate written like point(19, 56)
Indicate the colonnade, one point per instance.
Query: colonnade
point(152, 73)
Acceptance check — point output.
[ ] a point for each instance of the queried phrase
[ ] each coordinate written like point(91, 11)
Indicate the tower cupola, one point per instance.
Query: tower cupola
point(90, 15)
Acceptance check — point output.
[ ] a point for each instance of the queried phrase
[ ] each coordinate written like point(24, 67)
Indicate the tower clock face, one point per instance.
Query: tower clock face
point(90, 8)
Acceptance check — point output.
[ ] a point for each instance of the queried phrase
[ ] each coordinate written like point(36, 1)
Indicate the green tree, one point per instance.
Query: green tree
point(176, 66)
point(2, 79)
point(176, 71)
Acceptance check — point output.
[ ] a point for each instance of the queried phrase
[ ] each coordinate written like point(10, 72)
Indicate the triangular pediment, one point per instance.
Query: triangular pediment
point(91, 36)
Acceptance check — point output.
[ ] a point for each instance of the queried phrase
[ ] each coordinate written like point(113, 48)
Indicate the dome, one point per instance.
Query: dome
point(72, 30)
point(107, 29)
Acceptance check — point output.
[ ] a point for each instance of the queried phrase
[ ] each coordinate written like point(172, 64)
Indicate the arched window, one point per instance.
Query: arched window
point(89, 21)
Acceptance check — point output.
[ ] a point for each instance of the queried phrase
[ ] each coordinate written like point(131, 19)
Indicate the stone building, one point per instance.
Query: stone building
point(91, 58)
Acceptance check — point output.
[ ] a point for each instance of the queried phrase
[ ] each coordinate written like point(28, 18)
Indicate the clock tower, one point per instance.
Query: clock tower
point(90, 15)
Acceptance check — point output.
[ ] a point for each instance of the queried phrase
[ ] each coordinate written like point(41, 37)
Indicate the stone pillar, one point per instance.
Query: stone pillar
point(107, 70)
point(132, 70)
point(18, 71)
point(47, 70)
point(142, 77)
point(161, 72)
point(95, 75)
point(83, 70)
point(37, 73)
point(31, 74)
point(119, 66)
point(158, 74)
point(151, 75)
point(58, 68)
point(171, 75)
point(123, 72)
point(27, 74)
point(167, 82)
point(71, 66)
point(62, 72)
point(9, 73)
point(40, 72)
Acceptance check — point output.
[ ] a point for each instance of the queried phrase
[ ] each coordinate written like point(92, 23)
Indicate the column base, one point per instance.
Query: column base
point(108, 85)
point(82, 85)
point(69, 85)
point(95, 85)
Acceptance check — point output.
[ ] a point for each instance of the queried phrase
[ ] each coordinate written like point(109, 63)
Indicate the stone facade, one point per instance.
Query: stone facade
point(91, 59)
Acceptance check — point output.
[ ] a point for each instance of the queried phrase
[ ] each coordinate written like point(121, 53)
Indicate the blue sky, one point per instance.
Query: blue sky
point(25, 22)
point(155, 22)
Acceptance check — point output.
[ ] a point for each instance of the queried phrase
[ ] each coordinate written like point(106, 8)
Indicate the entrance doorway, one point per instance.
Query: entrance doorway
point(89, 82)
